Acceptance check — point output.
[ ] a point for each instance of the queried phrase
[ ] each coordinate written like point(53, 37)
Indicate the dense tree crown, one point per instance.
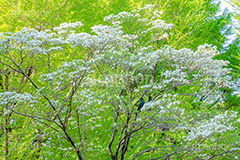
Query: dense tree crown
point(140, 82)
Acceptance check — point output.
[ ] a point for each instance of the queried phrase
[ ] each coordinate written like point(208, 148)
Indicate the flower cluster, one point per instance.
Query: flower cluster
point(29, 41)
point(220, 123)
point(68, 71)
point(7, 98)
point(106, 36)
point(64, 27)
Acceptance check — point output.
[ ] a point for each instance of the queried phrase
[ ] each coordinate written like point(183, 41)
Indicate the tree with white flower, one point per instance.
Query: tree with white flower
point(90, 103)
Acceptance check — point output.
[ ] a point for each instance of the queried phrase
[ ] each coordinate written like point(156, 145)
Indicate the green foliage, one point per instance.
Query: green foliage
point(236, 14)
point(40, 14)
